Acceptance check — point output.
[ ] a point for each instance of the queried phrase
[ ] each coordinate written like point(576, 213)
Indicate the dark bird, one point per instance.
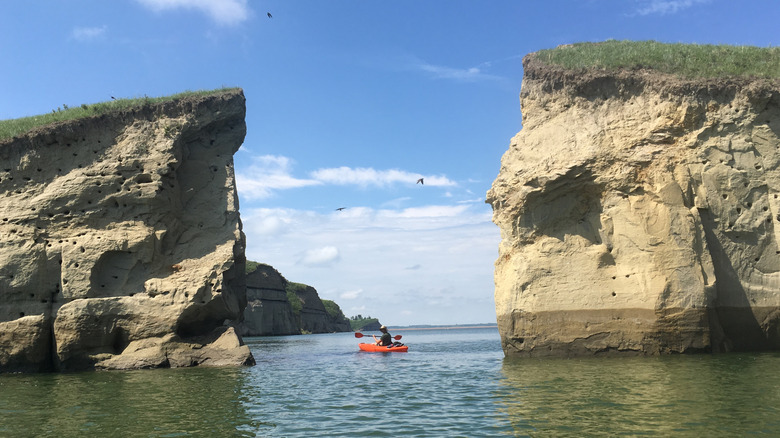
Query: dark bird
point(340, 208)
point(113, 98)
point(269, 15)
point(420, 181)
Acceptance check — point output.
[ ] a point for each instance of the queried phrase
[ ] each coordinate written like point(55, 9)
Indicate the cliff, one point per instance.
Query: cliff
point(121, 239)
point(639, 213)
point(269, 311)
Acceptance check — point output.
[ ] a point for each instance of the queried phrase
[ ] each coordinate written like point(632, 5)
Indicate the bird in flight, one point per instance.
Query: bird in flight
point(340, 208)
point(269, 15)
point(420, 181)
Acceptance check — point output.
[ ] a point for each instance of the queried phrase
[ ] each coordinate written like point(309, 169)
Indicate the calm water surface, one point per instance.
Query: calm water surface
point(450, 383)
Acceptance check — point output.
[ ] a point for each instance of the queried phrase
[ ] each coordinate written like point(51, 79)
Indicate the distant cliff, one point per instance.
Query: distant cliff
point(271, 312)
point(639, 214)
point(121, 239)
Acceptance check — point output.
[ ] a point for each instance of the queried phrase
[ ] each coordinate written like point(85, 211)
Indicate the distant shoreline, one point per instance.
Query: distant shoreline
point(443, 327)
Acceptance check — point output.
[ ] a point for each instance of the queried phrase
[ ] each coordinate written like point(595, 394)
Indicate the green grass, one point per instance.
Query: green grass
point(292, 296)
point(333, 309)
point(686, 60)
point(13, 127)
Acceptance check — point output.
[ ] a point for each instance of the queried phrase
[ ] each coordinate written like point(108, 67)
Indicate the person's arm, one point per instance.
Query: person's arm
point(376, 341)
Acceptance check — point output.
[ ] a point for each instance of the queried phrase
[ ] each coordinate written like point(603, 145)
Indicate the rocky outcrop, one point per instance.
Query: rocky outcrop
point(313, 316)
point(269, 311)
point(639, 214)
point(121, 239)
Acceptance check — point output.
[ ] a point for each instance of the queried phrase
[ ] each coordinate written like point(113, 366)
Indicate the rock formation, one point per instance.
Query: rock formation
point(269, 311)
point(314, 317)
point(639, 214)
point(121, 239)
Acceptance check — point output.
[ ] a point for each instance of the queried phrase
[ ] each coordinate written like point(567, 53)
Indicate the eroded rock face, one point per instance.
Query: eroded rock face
point(268, 311)
point(123, 229)
point(639, 214)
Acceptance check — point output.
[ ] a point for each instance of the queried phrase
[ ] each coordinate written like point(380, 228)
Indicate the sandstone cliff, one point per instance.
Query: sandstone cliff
point(121, 239)
point(639, 214)
point(270, 313)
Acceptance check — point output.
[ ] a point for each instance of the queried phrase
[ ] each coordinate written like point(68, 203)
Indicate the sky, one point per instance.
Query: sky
point(349, 103)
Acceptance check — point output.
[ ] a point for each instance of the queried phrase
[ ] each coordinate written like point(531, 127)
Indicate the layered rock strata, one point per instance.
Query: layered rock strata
point(121, 239)
point(639, 214)
point(270, 313)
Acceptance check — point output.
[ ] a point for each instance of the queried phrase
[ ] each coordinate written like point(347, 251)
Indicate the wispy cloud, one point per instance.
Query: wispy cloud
point(663, 7)
point(366, 176)
point(320, 257)
point(88, 33)
point(270, 173)
point(467, 74)
point(224, 12)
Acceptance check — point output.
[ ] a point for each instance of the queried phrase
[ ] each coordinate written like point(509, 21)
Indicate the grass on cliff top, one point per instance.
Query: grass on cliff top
point(13, 127)
point(686, 60)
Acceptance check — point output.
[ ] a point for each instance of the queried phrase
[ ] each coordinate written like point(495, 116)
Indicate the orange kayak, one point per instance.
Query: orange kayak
point(380, 349)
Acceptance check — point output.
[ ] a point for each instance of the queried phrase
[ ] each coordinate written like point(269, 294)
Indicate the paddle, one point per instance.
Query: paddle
point(360, 335)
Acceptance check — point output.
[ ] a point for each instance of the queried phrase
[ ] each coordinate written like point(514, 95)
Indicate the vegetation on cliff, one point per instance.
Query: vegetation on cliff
point(292, 296)
point(333, 309)
point(13, 127)
point(358, 322)
point(687, 60)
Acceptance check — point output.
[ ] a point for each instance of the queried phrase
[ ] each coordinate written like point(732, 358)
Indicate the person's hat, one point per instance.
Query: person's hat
point(382, 328)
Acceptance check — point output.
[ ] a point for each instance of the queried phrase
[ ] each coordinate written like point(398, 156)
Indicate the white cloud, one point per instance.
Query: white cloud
point(469, 74)
point(664, 7)
point(88, 33)
point(351, 294)
point(266, 174)
point(320, 257)
point(366, 176)
point(270, 173)
point(226, 12)
point(408, 264)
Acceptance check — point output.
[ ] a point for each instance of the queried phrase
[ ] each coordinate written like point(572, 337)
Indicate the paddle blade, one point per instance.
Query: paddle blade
point(358, 335)
point(397, 337)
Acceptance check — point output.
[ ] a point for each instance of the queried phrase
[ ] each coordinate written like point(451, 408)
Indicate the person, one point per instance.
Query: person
point(386, 339)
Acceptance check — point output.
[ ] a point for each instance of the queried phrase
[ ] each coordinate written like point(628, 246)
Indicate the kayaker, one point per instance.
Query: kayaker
point(386, 339)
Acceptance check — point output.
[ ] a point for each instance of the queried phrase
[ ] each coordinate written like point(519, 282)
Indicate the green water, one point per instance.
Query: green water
point(451, 383)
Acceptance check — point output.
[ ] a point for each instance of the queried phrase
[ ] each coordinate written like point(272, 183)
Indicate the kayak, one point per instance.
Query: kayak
point(383, 349)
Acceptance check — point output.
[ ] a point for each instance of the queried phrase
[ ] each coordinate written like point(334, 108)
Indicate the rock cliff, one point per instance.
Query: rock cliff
point(269, 311)
point(639, 214)
point(121, 239)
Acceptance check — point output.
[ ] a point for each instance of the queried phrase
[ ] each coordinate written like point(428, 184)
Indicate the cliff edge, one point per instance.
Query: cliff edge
point(121, 239)
point(640, 214)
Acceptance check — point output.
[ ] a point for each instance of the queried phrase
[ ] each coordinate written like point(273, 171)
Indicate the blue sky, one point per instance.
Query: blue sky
point(349, 102)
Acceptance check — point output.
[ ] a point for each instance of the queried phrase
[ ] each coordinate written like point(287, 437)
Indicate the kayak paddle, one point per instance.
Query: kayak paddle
point(360, 335)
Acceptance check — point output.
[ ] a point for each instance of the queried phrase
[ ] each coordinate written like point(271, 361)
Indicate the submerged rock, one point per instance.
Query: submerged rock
point(639, 214)
point(121, 239)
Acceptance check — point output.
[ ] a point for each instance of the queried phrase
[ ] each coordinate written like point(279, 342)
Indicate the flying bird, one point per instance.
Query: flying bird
point(269, 15)
point(340, 208)
point(420, 181)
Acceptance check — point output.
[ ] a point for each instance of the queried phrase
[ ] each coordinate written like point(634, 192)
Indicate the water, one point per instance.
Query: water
point(451, 383)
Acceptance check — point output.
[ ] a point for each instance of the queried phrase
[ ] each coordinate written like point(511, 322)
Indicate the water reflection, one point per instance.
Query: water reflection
point(171, 402)
point(721, 395)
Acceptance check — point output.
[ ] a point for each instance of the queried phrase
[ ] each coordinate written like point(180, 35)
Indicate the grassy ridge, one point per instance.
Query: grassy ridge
point(687, 60)
point(13, 127)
